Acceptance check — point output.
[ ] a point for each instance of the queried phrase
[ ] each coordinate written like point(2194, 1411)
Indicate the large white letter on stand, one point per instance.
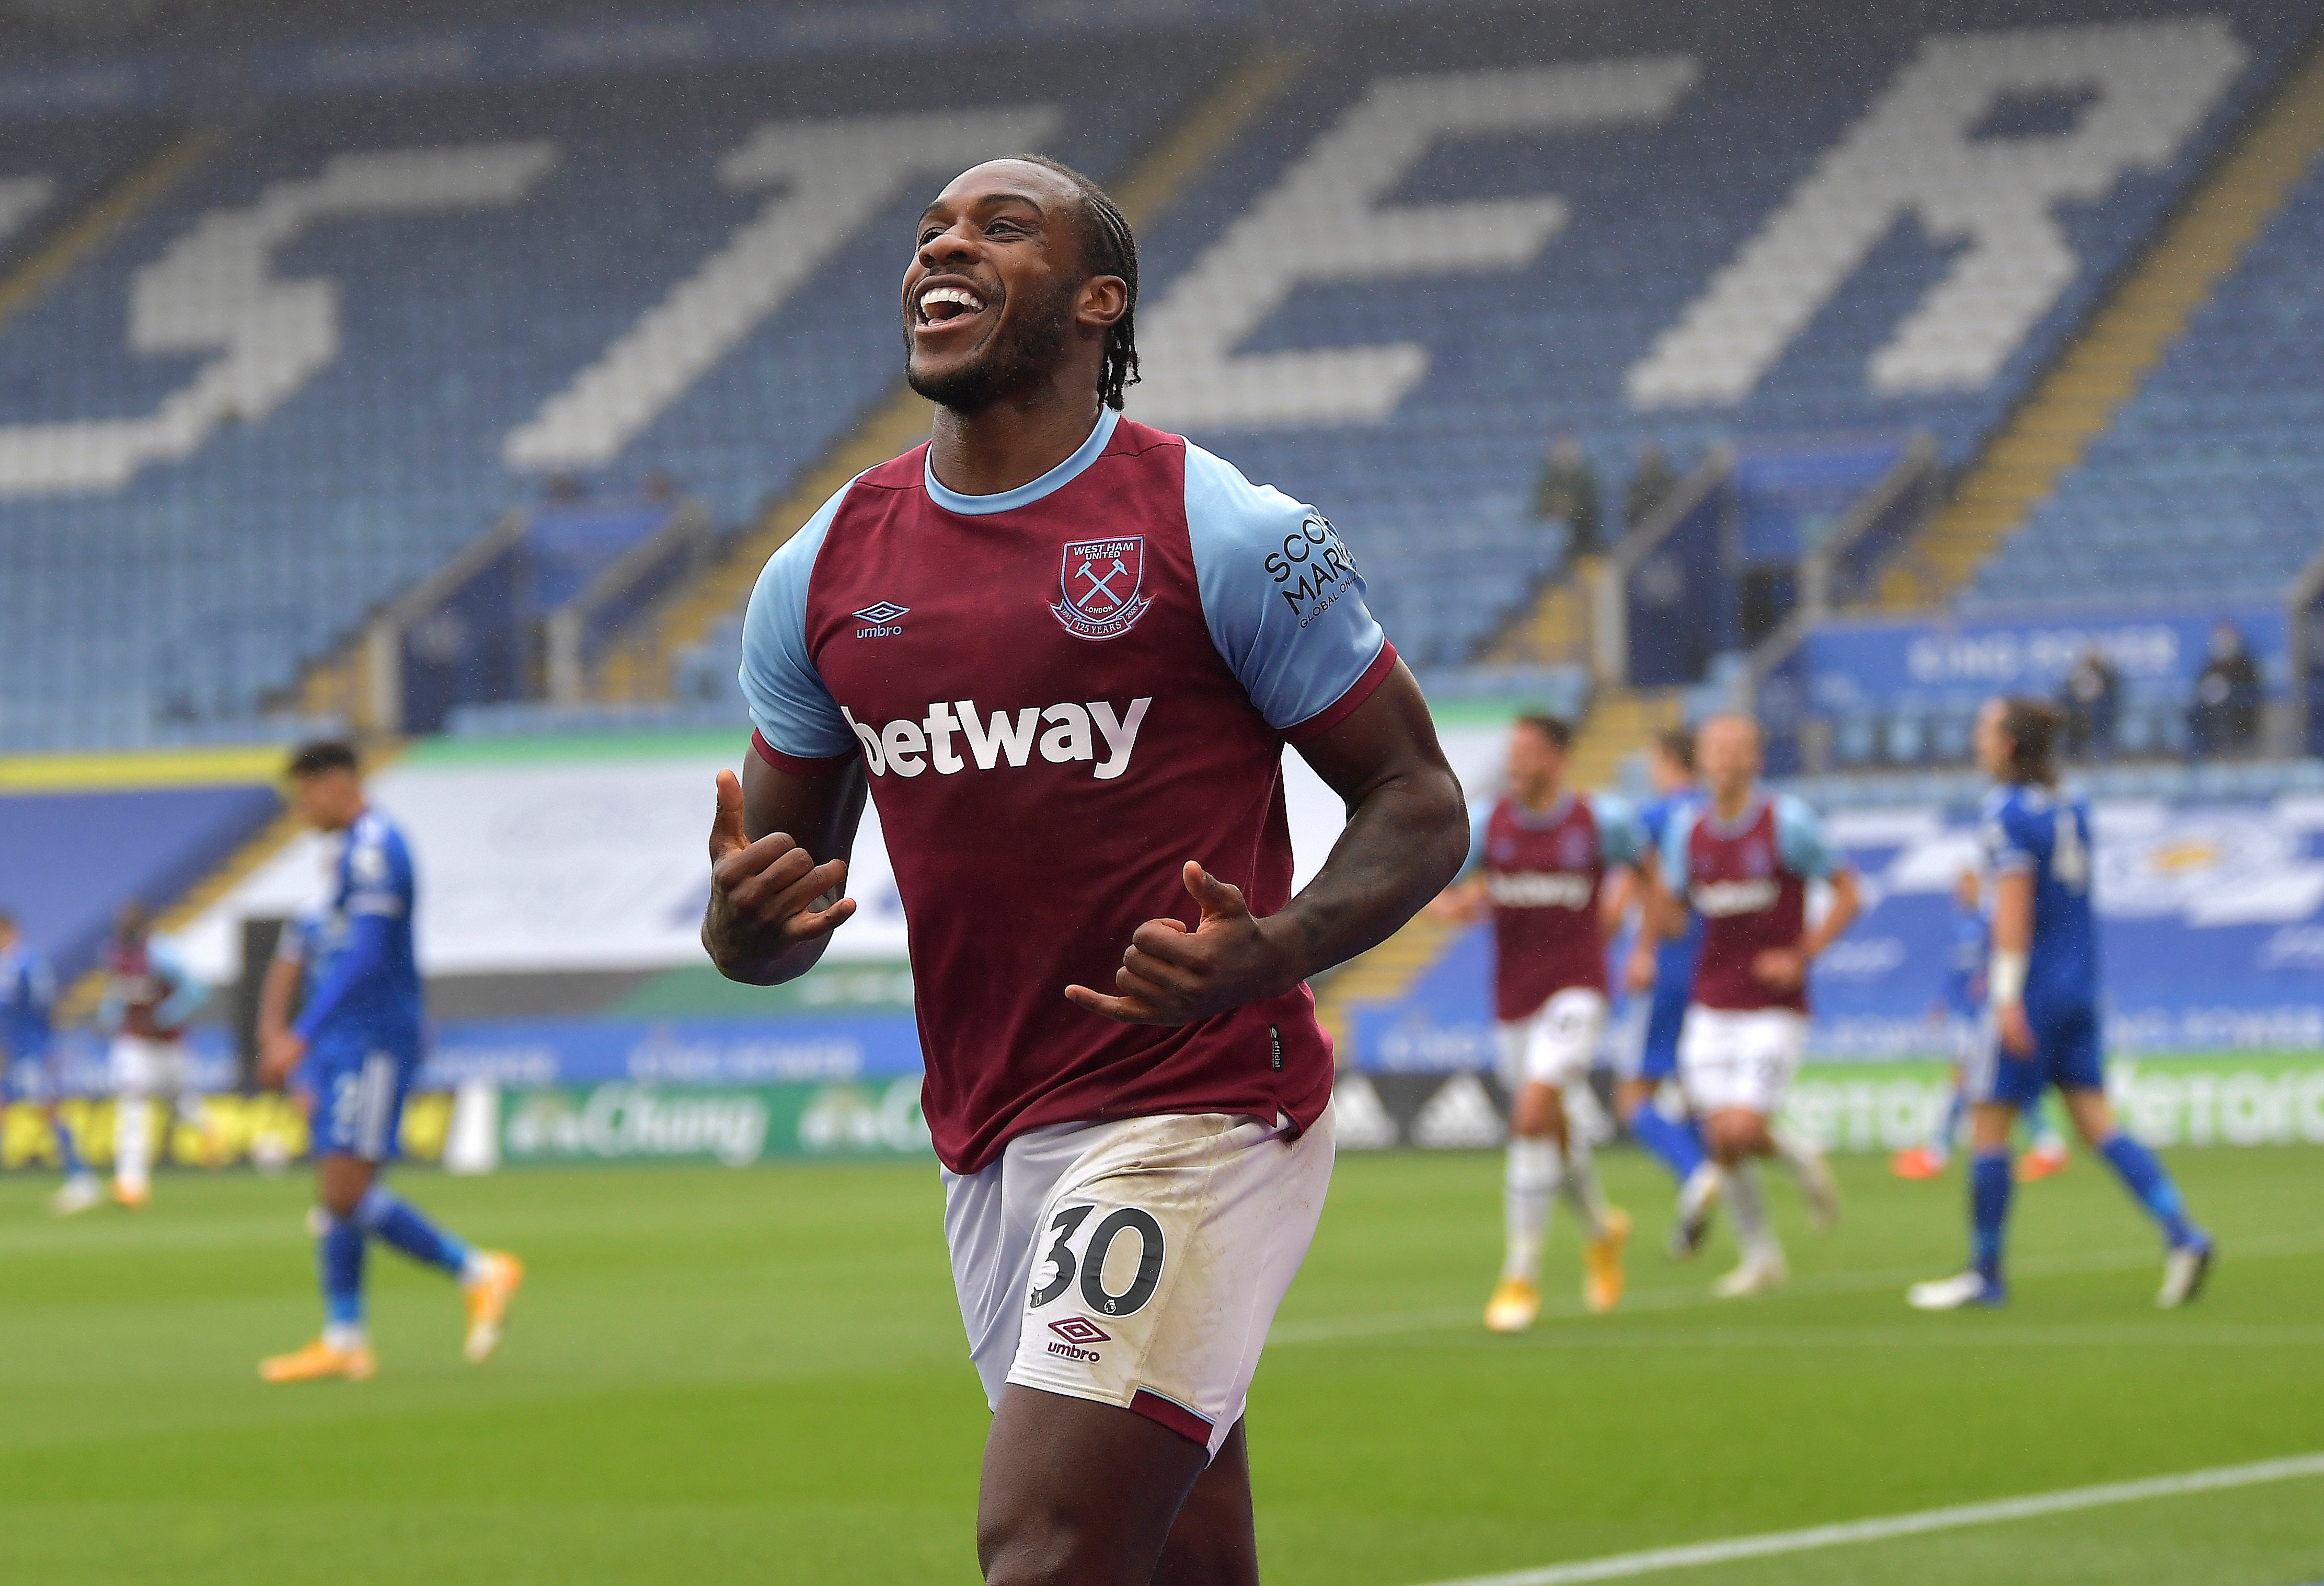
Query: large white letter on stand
point(1323, 221)
point(1913, 154)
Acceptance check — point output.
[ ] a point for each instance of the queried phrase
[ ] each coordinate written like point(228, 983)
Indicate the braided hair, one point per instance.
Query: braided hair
point(1107, 248)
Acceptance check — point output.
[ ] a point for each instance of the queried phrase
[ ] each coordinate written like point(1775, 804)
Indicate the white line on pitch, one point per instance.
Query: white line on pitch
point(1623, 1566)
point(1390, 1325)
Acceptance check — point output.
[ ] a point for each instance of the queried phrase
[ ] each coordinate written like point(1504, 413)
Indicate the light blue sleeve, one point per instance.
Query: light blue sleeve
point(789, 705)
point(1280, 594)
point(186, 994)
point(1678, 836)
point(1799, 841)
point(1621, 839)
point(1480, 810)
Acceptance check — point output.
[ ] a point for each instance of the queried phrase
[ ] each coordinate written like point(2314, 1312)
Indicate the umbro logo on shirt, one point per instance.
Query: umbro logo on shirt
point(881, 614)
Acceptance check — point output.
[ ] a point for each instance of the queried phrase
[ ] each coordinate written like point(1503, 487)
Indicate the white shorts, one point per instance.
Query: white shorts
point(1729, 1058)
point(1558, 1043)
point(142, 1066)
point(1136, 1263)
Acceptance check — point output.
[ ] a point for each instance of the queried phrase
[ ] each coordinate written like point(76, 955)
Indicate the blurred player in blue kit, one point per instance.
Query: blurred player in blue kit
point(1667, 969)
point(2043, 985)
point(355, 1047)
point(28, 991)
point(1961, 1009)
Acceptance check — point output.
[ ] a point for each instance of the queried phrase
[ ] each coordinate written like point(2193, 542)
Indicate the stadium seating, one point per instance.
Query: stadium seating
point(349, 331)
point(370, 324)
point(2209, 483)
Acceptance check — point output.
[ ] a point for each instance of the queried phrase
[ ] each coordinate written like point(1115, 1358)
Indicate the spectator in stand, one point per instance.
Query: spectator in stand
point(1567, 494)
point(1651, 483)
point(2091, 702)
point(2225, 717)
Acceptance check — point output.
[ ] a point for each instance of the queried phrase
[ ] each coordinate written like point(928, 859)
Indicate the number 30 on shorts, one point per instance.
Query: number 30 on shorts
point(1075, 1256)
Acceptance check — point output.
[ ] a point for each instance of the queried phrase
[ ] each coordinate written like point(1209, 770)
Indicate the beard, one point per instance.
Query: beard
point(1010, 360)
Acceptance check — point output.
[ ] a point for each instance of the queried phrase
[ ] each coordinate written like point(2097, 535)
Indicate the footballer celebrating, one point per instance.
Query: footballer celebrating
point(1742, 860)
point(1553, 867)
point(1064, 652)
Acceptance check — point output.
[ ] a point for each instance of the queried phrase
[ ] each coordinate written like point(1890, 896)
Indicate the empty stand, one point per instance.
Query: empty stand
point(368, 327)
point(2209, 482)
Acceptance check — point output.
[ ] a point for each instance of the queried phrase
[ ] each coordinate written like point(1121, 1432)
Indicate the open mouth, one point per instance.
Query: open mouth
point(944, 307)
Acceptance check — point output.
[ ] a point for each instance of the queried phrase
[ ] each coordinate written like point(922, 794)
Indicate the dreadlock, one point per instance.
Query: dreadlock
point(1107, 248)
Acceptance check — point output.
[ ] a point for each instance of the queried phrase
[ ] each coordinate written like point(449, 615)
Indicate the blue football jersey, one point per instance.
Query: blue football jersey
point(1676, 960)
point(26, 991)
point(2036, 831)
point(374, 877)
point(1972, 947)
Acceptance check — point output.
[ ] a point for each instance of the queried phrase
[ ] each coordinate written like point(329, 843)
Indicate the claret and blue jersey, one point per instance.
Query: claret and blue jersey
point(1106, 663)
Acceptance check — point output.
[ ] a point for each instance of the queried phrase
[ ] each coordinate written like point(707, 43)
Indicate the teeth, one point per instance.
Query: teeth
point(960, 297)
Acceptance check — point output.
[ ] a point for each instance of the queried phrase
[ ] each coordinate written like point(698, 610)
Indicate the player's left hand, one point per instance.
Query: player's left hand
point(1172, 975)
point(277, 1055)
point(1781, 969)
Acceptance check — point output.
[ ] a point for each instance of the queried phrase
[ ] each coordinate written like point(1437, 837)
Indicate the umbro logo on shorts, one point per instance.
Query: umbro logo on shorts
point(1077, 1331)
point(881, 614)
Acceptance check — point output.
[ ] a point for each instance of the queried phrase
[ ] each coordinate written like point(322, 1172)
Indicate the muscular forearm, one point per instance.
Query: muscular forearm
point(1404, 840)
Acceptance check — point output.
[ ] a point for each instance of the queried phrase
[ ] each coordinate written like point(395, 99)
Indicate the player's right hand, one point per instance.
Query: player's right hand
point(2016, 1031)
point(771, 890)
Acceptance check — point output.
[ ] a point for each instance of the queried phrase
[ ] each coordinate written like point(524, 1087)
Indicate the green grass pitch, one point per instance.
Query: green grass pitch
point(759, 1376)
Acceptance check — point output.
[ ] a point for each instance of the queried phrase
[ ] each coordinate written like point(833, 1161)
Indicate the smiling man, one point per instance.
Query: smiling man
point(1065, 651)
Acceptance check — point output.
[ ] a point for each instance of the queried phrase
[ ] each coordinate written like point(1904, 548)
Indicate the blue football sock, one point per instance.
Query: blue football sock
point(2145, 1177)
point(1673, 1143)
point(339, 1261)
point(1988, 1202)
point(67, 1152)
point(391, 1219)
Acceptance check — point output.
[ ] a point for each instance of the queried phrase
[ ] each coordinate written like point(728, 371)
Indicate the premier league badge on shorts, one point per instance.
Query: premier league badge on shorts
point(1100, 581)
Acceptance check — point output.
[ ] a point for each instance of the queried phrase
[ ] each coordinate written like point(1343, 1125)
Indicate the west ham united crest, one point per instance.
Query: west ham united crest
point(1101, 582)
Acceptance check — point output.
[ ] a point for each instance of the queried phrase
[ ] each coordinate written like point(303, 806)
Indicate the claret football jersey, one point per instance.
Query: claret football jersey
point(1060, 693)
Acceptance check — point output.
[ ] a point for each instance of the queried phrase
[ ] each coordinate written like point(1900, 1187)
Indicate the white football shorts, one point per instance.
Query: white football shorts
point(1137, 1263)
point(1732, 1058)
point(142, 1066)
point(1558, 1043)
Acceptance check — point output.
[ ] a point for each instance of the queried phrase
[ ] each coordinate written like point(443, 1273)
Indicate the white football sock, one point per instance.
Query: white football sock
point(1533, 1176)
point(1579, 1188)
point(1795, 1151)
point(343, 1335)
point(1750, 1210)
point(133, 1142)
